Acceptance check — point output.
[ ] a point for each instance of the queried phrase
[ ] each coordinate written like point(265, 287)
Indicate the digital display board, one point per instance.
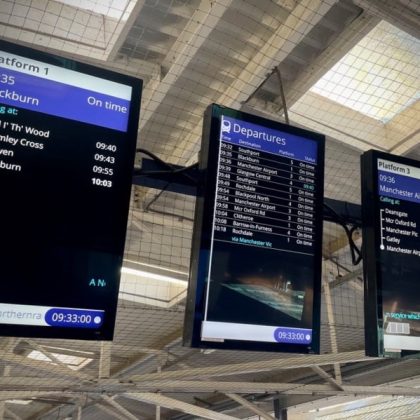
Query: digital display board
point(391, 252)
point(67, 145)
point(256, 255)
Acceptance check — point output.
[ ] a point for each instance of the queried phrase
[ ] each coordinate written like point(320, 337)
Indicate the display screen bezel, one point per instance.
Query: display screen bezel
point(373, 284)
point(106, 331)
point(203, 228)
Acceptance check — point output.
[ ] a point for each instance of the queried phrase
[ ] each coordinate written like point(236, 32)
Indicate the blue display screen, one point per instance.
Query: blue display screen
point(391, 237)
point(68, 135)
point(253, 136)
point(86, 101)
point(401, 187)
point(261, 241)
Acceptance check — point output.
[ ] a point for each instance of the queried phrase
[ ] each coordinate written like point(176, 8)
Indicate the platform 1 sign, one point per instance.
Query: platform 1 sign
point(68, 136)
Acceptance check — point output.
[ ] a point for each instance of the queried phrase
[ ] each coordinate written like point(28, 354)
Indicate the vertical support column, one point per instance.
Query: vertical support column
point(283, 97)
point(332, 331)
point(159, 370)
point(279, 413)
point(78, 413)
point(105, 359)
point(2, 409)
point(6, 372)
point(250, 406)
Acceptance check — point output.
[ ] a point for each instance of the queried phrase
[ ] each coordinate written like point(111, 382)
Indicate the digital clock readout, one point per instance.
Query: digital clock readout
point(293, 335)
point(68, 317)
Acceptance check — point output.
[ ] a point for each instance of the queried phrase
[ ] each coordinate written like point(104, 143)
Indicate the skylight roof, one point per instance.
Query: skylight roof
point(73, 362)
point(379, 77)
point(110, 8)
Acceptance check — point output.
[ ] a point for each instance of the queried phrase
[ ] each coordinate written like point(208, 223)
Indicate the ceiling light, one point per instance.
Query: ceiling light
point(153, 266)
point(21, 402)
point(153, 276)
point(73, 362)
point(110, 8)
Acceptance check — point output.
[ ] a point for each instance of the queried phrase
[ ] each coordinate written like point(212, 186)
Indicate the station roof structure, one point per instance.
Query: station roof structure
point(350, 69)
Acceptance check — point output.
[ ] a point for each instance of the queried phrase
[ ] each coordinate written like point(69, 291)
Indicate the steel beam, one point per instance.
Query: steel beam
point(327, 58)
point(111, 411)
point(394, 12)
point(250, 406)
point(53, 358)
point(60, 371)
point(78, 412)
point(125, 29)
point(297, 25)
point(173, 404)
point(149, 388)
point(203, 21)
point(292, 362)
point(327, 377)
point(105, 359)
point(10, 413)
point(195, 387)
point(338, 281)
point(119, 408)
point(333, 336)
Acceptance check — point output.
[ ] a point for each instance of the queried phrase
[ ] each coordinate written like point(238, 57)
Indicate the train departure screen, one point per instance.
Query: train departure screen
point(391, 207)
point(67, 143)
point(263, 216)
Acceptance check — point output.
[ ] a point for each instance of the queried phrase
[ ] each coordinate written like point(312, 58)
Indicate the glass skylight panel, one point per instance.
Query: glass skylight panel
point(20, 402)
point(379, 77)
point(73, 362)
point(111, 8)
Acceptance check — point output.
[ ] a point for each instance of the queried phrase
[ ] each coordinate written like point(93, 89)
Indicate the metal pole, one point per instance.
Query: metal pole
point(283, 98)
point(279, 413)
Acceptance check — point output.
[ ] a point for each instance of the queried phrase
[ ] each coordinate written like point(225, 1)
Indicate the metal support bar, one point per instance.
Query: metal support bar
point(252, 407)
point(351, 213)
point(153, 176)
point(105, 360)
point(178, 405)
point(111, 411)
point(78, 412)
point(271, 365)
point(3, 409)
point(54, 359)
point(11, 414)
point(10, 344)
point(324, 375)
point(146, 390)
point(119, 408)
point(332, 331)
point(279, 413)
point(283, 97)
point(347, 277)
point(157, 414)
point(395, 12)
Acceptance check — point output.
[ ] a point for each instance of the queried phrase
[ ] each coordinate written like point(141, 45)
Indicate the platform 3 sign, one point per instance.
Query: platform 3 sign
point(391, 252)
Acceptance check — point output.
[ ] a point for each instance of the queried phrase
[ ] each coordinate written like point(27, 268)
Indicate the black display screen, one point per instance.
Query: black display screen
point(391, 252)
point(256, 257)
point(67, 145)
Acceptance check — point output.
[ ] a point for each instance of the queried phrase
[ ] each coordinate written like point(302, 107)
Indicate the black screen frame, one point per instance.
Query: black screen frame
point(202, 234)
point(373, 286)
point(106, 333)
